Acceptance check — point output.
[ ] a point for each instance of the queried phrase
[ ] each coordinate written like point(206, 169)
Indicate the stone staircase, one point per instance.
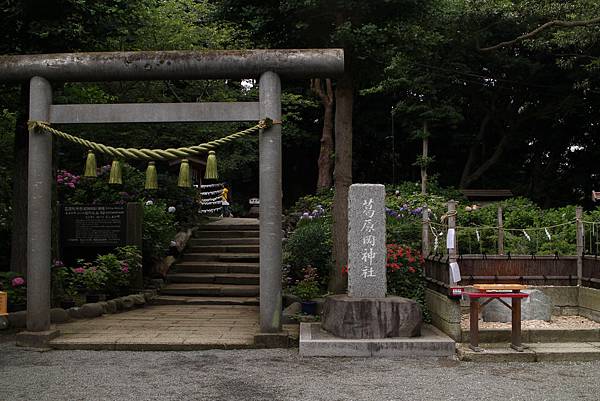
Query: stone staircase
point(220, 266)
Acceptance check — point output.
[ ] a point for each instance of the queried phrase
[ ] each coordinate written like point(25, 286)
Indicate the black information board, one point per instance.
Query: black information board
point(93, 225)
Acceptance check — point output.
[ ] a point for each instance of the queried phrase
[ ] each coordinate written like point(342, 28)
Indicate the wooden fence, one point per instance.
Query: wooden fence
point(540, 270)
point(505, 269)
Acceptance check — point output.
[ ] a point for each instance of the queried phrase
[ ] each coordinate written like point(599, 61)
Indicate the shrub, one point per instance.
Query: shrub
point(62, 283)
point(405, 275)
point(99, 191)
point(308, 287)
point(159, 229)
point(15, 286)
point(309, 245)
point(89, 278)
point(131, 256)
point(309, 203)
point(182, 199)
point(117, 273)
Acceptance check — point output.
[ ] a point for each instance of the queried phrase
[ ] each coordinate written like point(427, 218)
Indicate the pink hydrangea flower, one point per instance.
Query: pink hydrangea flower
point(79, 270)
point(17, 281)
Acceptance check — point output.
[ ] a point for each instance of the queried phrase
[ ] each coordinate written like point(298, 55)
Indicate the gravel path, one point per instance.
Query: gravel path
point(557, 322)
point(279, 375)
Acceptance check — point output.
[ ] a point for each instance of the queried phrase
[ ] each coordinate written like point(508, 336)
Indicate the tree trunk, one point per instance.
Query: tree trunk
point(344, 95)
point(464, 179)
point(18, 244)
point(425, 155)
point(325, 162)
point(488, 163)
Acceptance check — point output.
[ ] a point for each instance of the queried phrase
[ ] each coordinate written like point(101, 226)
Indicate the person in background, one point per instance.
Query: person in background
point(225, 202)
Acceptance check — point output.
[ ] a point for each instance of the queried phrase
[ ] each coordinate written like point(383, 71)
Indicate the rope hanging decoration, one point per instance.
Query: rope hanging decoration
point(152, 154)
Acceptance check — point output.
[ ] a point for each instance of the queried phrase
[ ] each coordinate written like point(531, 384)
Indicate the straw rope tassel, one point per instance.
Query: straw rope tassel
point(115, 173)
point(211, 166)
point(151, 176)
point(90, 165)
point(184, 180)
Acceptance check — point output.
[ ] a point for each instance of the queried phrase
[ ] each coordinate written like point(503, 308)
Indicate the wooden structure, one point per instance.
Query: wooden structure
point(522, 269)
point(485, 196)
point(3, 304)
point(197, 168)
point(491, 292)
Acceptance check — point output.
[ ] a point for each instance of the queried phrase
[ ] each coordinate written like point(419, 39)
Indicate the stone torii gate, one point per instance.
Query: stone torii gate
point(266, 65)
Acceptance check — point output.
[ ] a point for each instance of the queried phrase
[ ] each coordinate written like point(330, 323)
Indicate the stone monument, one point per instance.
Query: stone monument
point(365, 312)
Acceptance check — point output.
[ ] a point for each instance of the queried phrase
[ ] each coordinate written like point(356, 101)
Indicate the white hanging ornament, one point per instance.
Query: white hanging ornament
point(527, 236)
point(478, 236)
point(548, 234)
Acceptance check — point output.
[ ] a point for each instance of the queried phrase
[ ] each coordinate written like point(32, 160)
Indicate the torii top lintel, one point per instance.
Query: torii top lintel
point(162, 65)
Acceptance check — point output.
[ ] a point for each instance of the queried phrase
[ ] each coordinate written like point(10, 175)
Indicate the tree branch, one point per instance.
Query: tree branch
point(464, 179)
point(489, 162)
point(541, 28)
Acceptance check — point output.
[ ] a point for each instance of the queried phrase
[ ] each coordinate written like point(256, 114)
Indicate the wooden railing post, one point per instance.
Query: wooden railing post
point(500, 232)
point(580, 243)
point(425, 232)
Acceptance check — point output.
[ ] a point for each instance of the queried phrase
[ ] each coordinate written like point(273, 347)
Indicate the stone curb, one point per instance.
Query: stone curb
point(537, 352)
point(86, 311)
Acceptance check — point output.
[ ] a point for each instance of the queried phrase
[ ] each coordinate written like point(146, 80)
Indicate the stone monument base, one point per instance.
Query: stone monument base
point(317, 342)
point(365, 318)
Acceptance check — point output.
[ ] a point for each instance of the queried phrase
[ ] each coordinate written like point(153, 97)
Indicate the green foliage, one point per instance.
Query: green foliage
point(158, 230)
point(89, 278)
point(519, 214)
point(63, 285)
point(109, 274)
point(117, 274)
point(15, 286)
point(131, 256)
point(405, 275)
point(83, 93)
point(423, 161)
point(309, 245)
point(7, 128)
point(405, 203)
point(308, 287)
point(309, 203)
point(99, 191)
point(185, 25)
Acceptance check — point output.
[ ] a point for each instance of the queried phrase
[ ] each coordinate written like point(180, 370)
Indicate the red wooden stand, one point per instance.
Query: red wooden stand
point(490, 291)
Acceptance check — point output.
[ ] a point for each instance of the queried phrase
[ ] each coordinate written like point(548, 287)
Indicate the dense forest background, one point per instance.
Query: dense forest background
point(520, 115)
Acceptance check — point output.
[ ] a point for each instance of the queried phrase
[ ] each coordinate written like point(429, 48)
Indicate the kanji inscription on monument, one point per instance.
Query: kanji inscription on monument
point(93, 225)
point(366, 241)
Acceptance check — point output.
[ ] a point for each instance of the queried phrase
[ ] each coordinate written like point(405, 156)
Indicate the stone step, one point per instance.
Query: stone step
point(229, 227)
point(226, 290)
point(222, 241)
point(226, 234)
point(216, 278)
point(223, 249)
point(183, 300)
point(220, 257)
point(215, 267)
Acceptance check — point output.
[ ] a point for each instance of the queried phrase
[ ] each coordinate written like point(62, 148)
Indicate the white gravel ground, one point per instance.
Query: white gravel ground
point(557, 322)
point(279, 375)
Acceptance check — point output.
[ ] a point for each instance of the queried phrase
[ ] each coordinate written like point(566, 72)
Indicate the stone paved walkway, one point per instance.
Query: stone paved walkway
point(164, 327)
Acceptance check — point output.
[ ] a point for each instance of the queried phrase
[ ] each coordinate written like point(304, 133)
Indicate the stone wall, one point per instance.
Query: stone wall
point(589, 303)
point(445, 313)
